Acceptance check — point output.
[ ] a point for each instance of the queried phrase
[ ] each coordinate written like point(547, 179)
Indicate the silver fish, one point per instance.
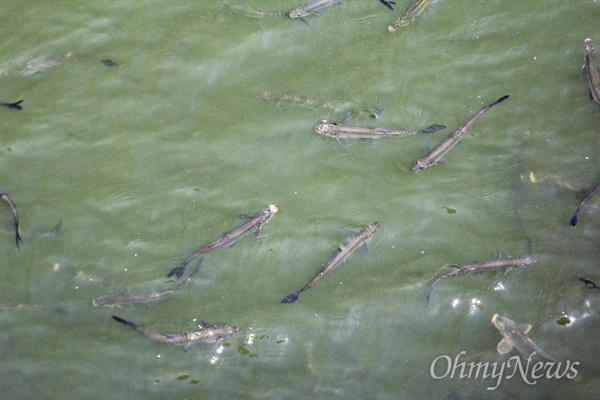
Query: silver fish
point(592, 70)
point(588, 196)
point(187, 339)
point(505, 264)
point(252, 224)
point(123, 298)
point(15, 214)
point(311, 7)
point(341, 255)
point(341, 132)
point(451, 140)
point(516, 335)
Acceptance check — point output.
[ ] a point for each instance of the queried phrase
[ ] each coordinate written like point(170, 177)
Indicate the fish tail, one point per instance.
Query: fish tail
point(177, 271)
point(15, 105)
point(432, 128)
point(500, 100)
point(574, 218)
point(427, 298)
point(290, 298)
point(121, 320)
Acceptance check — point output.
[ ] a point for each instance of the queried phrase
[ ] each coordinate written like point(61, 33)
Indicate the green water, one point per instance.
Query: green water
point(149, 160)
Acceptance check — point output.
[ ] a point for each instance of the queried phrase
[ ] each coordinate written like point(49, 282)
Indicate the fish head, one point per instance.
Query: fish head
point(322, 127)
point(419, 165)
point(589, 46)
point(528, 261)
point(298, 13)
point(272, 209)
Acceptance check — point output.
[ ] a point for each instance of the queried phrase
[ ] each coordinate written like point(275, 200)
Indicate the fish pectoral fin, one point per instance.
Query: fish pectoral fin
point(343, 143)
point(504, 346)
point(500, 255)
point(526, 327)
point(365, 249)
point(583, 72)
point(367, 141)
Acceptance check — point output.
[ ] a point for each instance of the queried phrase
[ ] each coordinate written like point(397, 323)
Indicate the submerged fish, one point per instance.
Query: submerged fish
point(340, 256)
point(252, 224)
point(410, 14)
point(341, 132)
point(252, 13)
point(504, 264)
point(16, 105)
point(592, 70)
point(123, 298)
point(516, 335)
point(42, 64)
point(302, 101)
point(15, 214)
point(187, 339)
point(451, 140)
point(588, 196)
point(311, 7)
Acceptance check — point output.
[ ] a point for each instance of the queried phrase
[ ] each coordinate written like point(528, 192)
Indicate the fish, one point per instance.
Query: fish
point(338, 257)
point(588, 196)
point(410, 14)
point(15, 214)
point(340, 132)
point(187, 339)
point(302, 101)
point(516, 335)
point(41, 64)
point(592, 70)
point(311, 7)
point(503, 263)
point(252, 13)
point(15, 106)
point(591, 284)
point(252, 224)
point(123, 298)
point(451, 140)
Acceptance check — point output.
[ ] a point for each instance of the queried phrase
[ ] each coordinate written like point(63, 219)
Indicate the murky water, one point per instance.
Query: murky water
point(147, 161)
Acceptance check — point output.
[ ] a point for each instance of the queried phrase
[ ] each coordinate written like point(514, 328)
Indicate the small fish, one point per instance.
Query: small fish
point(16, 105)
point(252, 224)
point(41, 64)
point(15, 213)
point(311, 7)
point(341, 132)
point(592, 70)
point(591, 284)
point(410, 14)
point(187, 339)
point(516, 335)
point(123, 298)
point(252, 13)
point(340, 256)
point(588, 196)
point(302, 101)
point(451, 140)
point(504, 264)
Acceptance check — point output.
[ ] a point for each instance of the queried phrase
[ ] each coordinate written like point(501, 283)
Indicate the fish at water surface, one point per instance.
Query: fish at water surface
point(124, 298)
point(503, 263)
point(410, 14)
point(187, 339)
point(311, 7)
point(15, 214)
point(15, 106)
point(341, 132)
point(252, 224)
point(340, 256)
point(592, 70)
point(41, 64)
point(451, 140)
point(516, 336)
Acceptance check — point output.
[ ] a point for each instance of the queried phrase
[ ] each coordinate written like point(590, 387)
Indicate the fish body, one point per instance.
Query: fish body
point(341, 255)
point(252, 13)
point(252, 224)
point(451, 140)
point(124, 297)
point(516, 336)
point(186, 339)
point(592, 70)
point(410, 14)
point(302, 101)
point(504, 264)
point(41, 64)
point(15, 214)
point(588, 196)
point(16, 105)
point(311, 7)
point(340, 132)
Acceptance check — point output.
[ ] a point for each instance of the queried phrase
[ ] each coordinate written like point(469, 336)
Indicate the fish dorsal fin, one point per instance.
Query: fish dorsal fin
point(504, 346)
point(500, 255)
point(525, 327)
